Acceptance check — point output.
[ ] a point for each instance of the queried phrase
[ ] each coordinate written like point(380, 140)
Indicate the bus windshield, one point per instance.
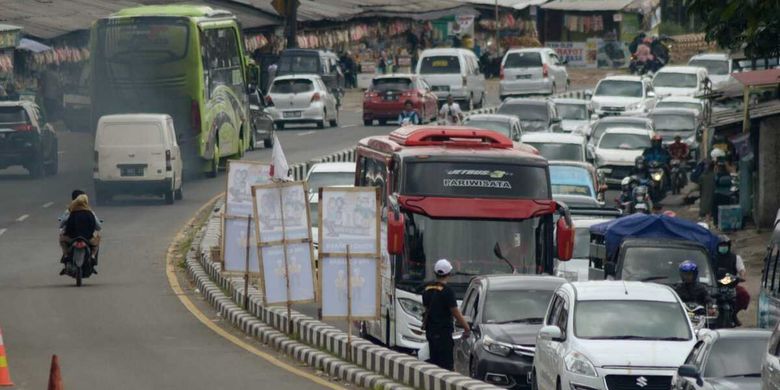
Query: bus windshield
point(144, 40)
point(470, 245)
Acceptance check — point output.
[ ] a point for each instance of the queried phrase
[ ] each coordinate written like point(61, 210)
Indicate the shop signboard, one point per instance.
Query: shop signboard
point(576, 53)
point(9, 36)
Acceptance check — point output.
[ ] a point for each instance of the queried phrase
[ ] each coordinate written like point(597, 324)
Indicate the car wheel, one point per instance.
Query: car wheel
point(335, 121)
point(471, 103)
point(54, 165)
point(558, 384)
point(179, 194)
point(252, 140)
point(382, 122)
point(214, 168)
point(368, 122)
point(554, 89)
point(169, 196)
point(36, 168)
point(534, 382)
point(268, 143)
point(473, 368)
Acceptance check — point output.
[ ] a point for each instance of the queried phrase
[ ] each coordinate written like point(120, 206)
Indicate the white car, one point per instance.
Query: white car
point(508, 125)
point(326, 174)
point(575, 115)
point(600, 126)
point(601, 335)
point(576, 269)
point(770, 369)
point(302, 99)
point(688, 102)
point(451, 71)
point(617, 150)
point(532, 71)
point(680, 81)
point(623, 95)
point(558, 146)
point(719, 67)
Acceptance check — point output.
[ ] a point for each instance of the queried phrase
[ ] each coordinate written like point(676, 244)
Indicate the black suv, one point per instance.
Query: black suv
point(26, 139)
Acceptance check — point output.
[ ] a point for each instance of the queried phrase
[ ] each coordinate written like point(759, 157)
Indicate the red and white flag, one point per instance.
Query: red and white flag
point(279, 168)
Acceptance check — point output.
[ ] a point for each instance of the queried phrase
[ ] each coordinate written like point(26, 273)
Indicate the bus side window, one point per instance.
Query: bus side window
point(374, 174)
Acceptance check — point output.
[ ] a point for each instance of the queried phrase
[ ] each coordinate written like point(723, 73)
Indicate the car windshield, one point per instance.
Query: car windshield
point(317, 180)
point(717, 67)
point(690, 106)
point(675, 80)
point(525, 112)
point(299, 64)
point(624, 141)
point(721, 362)
point(581, 243)
point(575, 112)
point(673, 122)
point(622, 88)
point(440, 65)
point(470, 245)
point(558, 151)
point(661, 264)
point(391, 84)
point(631, 319)
point(13, 115)
point(601, 127)
point(502, 127)
point(292, 86)
point(523, 60)
point(504, 306)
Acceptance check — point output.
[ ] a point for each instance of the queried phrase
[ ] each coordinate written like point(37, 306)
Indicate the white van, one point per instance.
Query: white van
point(137, 154)
point(453, 72)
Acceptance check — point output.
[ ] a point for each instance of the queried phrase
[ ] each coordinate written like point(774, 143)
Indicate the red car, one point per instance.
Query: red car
point(386, 97)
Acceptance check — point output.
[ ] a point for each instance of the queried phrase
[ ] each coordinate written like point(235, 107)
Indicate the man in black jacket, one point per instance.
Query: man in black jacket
point(689, 289)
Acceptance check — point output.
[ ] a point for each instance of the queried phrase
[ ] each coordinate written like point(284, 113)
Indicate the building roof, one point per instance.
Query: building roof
point(758, 77)
point(515, 4)
point(317, 10)
point(587, 5)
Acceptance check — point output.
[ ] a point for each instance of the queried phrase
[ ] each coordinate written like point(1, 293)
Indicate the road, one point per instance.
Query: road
point(125, 329)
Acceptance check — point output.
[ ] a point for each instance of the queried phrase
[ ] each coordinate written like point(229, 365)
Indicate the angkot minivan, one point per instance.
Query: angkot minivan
point(453, 72)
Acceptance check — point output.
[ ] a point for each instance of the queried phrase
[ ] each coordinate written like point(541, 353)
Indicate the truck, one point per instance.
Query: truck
point(459, 193)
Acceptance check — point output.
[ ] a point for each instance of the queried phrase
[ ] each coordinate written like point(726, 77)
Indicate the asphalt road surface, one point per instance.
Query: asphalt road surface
point(125, 329)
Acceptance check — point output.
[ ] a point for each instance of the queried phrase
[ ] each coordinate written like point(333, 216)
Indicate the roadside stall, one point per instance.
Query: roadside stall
point(9, 39)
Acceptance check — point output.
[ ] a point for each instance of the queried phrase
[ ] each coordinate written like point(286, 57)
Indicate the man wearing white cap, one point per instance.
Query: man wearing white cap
point(440, 308)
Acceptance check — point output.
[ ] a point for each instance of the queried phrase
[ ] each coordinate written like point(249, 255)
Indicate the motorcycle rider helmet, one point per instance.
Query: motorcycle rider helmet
point(639, 162)
point(625, 184)
point(724, 242)
point(657, 140)
point(717, 154)
point(688, 267)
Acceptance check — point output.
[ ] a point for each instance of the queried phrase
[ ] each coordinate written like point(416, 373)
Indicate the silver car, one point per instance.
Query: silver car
point(532, 72)
point(508, 125)
point(302, 99)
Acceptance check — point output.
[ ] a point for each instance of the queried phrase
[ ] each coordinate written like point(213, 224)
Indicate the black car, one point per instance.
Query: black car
point(26, 139)
point(724, 359)
point(505, 313)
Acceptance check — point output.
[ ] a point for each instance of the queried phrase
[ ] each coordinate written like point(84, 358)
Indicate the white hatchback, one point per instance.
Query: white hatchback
point(298, 99)
point(532, 71)
point(612, 335)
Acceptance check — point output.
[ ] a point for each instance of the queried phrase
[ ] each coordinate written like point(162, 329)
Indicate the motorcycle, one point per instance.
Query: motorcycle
point(726, 297)
point(79, 263)
point(697, 314)
point(657, 180)
point(679, 176)
point(640, 201)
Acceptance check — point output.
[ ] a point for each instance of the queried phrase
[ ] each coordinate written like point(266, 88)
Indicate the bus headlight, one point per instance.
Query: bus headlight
point(412, 308)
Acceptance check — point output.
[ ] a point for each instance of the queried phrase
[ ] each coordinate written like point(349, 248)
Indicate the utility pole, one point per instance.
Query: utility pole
point(292, 23)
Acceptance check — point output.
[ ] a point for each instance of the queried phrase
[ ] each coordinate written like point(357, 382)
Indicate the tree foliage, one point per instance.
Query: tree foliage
point(750, 25)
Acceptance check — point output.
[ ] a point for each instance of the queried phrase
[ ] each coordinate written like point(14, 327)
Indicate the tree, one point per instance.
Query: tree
point(750, 25)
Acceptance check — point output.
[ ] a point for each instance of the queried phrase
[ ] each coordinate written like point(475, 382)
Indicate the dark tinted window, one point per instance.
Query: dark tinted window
point(299, 64)
point(13, 115)
point(572, 111)
point(523, 60)
point(661, 264)
point(721, 361)
point(716, 67)
point(557, 151)
point(392, 84)
point(502, 127)
point(619, 88)
point(440, 64)
point(144, 39)
point(520, 306)
point(673, 122)
point(675, 80)
point(483, 180)
point(292, 86)
point(525, 111)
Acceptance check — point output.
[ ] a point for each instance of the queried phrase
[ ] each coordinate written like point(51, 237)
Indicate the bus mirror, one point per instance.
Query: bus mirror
point(395, 233)
point(252, 72)
point(565, 240)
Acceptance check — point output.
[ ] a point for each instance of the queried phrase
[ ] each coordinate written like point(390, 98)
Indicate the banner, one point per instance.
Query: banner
point(349, 246)
point(241, 176)
point(283, 233)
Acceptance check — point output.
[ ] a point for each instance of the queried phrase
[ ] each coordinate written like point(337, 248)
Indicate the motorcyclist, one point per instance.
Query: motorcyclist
point(626, 191)
point(689, 289)
point(63, 220)
point(679, 150)
point(408, 115)
point(728, 262)
point(640, 169)
point(656, 152)
point(80, 222)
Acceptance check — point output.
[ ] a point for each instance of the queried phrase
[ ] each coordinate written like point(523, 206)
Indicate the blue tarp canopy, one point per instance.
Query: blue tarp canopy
point(653, 226)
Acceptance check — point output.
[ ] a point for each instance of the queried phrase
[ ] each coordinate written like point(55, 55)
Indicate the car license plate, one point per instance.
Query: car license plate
point(391, 97)
point(292, 114)
point(132, 171)
point(522, 76)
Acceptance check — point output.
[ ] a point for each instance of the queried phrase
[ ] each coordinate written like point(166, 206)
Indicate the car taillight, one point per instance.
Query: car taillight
point(80, 244)
point(545, 71)
point(315, 97)
point(501, 72)
point(168, 161)
point(195, 117)
point(26, 127)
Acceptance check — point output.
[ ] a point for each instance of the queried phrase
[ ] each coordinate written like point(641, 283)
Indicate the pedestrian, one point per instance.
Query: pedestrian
point(408, 116)
point(440, 308)
point(451, 112)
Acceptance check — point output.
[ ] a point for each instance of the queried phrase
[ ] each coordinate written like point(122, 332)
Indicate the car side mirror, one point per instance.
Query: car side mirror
point(588, 94)
point(564, 61)
point(650, 94)
point(609, 268)
point(594, 117)
point(551, 332)
point(557, 120)
point(690, 371)
point(395, 233)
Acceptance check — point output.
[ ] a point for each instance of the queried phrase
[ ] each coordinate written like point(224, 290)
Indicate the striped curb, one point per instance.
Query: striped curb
point(373, 365)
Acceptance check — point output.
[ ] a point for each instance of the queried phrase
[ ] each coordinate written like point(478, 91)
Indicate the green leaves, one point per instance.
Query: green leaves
point(750, 25)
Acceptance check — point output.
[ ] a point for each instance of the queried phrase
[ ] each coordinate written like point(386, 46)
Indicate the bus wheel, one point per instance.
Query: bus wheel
point(214, 166)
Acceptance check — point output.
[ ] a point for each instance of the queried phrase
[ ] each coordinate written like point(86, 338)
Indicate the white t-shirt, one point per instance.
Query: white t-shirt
point(451, 113)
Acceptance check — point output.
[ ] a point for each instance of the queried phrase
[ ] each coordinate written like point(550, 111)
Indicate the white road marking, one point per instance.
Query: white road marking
point(47, 205)
point(60, 153)
point(306, 132)
point(22, 218)
point(2, 231)
point(347, 126)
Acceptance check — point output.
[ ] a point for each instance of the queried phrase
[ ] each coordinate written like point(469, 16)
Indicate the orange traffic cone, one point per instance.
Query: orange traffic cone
point(55, 378)
point(5, 376)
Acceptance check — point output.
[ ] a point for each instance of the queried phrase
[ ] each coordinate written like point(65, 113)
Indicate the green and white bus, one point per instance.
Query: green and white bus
point(185, 61)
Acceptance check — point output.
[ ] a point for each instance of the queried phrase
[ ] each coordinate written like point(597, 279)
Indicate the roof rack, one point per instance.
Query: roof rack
point(466, 137)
